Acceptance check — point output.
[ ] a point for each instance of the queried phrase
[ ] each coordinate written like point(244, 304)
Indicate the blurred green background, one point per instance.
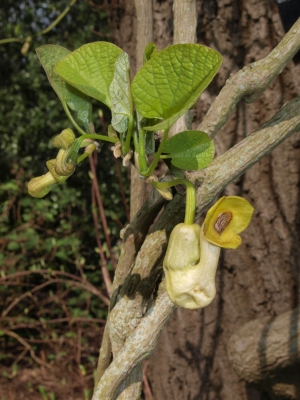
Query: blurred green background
point(52, 290)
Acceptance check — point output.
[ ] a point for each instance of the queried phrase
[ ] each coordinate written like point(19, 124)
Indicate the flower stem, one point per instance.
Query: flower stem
point(190, 206)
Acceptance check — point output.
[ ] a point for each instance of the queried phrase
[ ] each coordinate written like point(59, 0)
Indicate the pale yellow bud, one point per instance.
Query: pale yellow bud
point(126, 159)
point(64, 140)
point(117, 150)
point(41, 185)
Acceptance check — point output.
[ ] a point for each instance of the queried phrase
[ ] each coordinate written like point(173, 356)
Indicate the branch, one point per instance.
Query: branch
point(185, 27)
point(185, 21)
point(127, 319)
point(266, 351)
point(139, 346)
point(134, 236)
point(225, 168)
point(144, 17)
point(251, 81)
point(214, 179)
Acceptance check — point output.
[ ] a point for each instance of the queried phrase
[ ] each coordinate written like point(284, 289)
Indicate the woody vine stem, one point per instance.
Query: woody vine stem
point(213, 180)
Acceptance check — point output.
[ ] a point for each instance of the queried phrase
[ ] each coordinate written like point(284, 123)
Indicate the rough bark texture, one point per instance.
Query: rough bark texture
point(266, 352)
point(261, 278)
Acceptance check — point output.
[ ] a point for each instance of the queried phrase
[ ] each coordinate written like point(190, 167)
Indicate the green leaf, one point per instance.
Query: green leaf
point(91, 69)
point(172, 80)
point(49, 55)
point(119, 91)
point(190, 150)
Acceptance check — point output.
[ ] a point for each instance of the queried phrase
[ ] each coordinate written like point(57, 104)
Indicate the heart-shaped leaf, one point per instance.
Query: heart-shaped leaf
point(172, 80)
point(91, 69)
point(120, 94)
point(77, 101)
point(191, 150)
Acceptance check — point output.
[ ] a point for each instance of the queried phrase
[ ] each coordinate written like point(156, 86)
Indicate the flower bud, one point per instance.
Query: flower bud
point(90, 148)
point(126, 159)
point(64, 140)
point(117, 150)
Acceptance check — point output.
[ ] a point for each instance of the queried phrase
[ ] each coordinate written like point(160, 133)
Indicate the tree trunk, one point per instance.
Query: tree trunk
point(266, 351)
point(261, 278)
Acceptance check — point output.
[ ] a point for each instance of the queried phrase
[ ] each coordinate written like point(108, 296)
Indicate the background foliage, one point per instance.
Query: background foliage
point(51, 282)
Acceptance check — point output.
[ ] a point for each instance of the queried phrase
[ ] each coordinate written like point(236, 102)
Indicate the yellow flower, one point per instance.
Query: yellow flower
point(190, 267)
point(192, 256)
point(226, 219)
point(42, 185)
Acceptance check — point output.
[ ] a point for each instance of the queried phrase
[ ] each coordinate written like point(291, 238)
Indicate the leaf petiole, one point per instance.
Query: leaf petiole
point(158, 154)
point(142, 153)
point(97, 137)
point(82, 157)
point(69, 115)
point(126, 146)
point(164, 156)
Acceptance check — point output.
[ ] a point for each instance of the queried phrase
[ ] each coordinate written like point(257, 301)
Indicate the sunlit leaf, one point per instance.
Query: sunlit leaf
point(77, 101)
point(172, 80)
point(91, 69)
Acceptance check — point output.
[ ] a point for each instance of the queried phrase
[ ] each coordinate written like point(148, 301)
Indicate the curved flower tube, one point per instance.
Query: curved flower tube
point(65, 163)
point(193, 253)
point(42, 185)
point(191, 285)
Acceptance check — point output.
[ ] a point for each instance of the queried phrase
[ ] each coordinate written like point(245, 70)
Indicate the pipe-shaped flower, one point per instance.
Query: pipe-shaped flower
point(190, 267)
point(42, 185)
point(226, 219)
point(193, 253)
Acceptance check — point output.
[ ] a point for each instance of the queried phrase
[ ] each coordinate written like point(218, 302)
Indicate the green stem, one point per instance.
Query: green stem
point(82, 157)
point(11, 40)
point(125, 148)
point(165, 156)
point(142, 153)
point(98, 137)
point(190, 206)
point(158, 154)
point(69, 115)
point(87, 135)
point(58, 19)
point(135, 141)
point(128, 136)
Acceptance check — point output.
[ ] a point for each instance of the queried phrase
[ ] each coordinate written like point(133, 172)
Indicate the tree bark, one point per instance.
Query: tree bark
point(266, 352)
point(261, 278)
